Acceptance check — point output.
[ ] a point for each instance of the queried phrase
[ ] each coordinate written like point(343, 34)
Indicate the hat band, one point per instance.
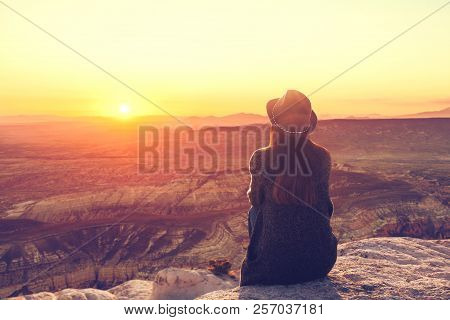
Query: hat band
point(284, 129)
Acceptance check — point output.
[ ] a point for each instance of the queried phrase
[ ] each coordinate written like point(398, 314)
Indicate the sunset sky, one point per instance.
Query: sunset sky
point(220, 57)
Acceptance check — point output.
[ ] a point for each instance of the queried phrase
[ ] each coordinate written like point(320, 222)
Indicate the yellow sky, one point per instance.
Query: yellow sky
point(220, 57)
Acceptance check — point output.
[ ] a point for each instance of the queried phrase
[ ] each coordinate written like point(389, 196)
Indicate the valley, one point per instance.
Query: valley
point(75, 211)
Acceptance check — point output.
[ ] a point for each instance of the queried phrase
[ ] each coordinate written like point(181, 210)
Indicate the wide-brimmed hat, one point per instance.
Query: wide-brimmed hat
point(292, 113)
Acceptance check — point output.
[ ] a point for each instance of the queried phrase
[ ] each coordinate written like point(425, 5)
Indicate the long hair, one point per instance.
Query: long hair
point(294, 180)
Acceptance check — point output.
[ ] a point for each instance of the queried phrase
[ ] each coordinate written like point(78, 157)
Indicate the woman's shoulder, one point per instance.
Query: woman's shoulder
point(320, 151)
point(256, 159)
point(258, 153)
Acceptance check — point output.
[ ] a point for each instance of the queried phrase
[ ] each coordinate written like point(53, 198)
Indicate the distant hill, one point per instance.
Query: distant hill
point(236, 119)
point(444, 113)
point(32, 119)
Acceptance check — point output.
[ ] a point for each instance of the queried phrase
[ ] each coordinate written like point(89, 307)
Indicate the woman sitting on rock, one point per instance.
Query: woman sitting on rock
point(291, 240)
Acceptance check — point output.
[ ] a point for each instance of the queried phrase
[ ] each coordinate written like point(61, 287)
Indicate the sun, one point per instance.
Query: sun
point(124, 110)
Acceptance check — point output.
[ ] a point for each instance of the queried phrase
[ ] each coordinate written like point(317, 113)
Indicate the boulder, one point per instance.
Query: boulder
point(133, 290)
point(175, 283)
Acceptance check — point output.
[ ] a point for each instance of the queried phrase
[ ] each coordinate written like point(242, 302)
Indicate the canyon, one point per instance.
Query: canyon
point(76, 213)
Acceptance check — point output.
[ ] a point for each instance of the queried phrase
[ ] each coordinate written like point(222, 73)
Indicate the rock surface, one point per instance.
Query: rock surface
point(169, 284)
point(133, 290)
point(173, 283)
point(377, 268)
point(70, 294)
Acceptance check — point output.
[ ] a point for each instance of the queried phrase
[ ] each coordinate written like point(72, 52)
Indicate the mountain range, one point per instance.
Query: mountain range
point(236, 119)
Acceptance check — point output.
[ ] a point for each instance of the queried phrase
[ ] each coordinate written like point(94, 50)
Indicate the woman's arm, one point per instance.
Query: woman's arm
point(255, 192)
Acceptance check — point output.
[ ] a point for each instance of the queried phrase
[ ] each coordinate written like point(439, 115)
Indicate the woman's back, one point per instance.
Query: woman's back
point(290, 243)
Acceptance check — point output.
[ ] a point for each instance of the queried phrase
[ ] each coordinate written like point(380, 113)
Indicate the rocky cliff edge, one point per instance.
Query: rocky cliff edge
point(376, 268)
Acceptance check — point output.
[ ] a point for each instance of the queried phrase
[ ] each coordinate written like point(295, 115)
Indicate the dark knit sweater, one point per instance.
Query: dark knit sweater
point(290, 243)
